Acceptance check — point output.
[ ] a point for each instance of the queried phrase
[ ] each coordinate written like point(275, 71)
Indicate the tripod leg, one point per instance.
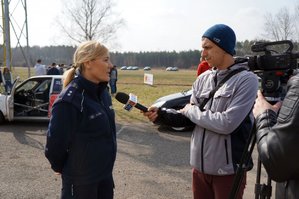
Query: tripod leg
point(269, 188)
point(257, 190)
point(263, 191)
point(243, 165)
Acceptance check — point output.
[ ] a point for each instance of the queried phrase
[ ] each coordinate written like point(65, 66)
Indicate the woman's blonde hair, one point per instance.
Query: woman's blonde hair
point(86, 51)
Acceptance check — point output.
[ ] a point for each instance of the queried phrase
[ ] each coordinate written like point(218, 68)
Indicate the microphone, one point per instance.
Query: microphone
point(129, 101)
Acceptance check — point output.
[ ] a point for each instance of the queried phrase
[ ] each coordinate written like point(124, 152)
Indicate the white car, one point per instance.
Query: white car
point(30, 100)
point(147, 68)
point(172, 68)
point(135, 68)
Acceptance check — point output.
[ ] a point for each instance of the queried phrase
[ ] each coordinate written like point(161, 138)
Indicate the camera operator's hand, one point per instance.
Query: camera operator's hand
point(152, 113)
point(261, 105)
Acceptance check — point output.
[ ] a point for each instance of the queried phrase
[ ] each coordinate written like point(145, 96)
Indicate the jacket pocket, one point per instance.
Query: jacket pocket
point(223, 93)
point(221, 99)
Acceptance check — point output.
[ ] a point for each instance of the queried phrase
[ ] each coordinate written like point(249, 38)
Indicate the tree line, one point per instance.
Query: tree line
point(64, 54)
point(95, 20)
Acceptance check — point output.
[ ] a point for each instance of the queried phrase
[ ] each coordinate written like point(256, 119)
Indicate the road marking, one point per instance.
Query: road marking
point(120, 130)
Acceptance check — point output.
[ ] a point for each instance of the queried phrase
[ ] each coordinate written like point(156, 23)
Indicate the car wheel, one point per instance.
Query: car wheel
point(2, 119)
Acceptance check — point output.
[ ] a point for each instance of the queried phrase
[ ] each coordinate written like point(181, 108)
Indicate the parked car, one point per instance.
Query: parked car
point(130, 68)
point(147, 68)
point(175, 101)
point(168, 68)
point(135, 68)
point(31, 100)
point(175, 68)
point(172, 68)
point(123, 68)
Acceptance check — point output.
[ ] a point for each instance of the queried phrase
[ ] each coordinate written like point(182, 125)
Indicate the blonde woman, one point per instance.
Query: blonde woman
point(81, 139)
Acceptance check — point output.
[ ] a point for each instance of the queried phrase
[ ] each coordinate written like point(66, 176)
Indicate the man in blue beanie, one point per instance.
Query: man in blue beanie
point(221, 109)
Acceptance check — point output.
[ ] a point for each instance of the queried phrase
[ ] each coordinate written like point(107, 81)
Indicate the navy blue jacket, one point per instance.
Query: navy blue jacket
point(53, 71)
point(81, 138)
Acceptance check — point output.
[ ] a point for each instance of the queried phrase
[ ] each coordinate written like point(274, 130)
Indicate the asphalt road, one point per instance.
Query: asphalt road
point(151, 164)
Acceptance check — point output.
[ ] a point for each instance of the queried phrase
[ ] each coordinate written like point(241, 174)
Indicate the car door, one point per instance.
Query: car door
point(31, 98)
point(55, 90)
point(10, 101)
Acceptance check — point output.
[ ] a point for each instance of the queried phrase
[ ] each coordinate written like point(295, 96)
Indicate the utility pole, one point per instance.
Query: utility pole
point(6, 35)
point(19, 28)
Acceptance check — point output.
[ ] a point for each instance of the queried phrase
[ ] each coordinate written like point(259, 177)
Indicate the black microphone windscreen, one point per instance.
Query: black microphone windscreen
point(122, 97)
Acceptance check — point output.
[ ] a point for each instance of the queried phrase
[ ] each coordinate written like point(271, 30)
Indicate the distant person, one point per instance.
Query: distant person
point(53, 70)
point(113, 80)
point(7, 80)
point(202, 67)
point(40, 69)
point(81, 137)
point(61, 69)
point(1, 76)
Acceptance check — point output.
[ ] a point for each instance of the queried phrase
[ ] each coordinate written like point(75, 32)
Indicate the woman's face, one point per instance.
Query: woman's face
point(97, 70)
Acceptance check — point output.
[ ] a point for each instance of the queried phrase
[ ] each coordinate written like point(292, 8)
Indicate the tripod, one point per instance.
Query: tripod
point(262, 191)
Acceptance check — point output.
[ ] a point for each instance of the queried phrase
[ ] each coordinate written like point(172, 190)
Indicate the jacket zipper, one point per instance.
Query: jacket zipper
point(204, 131)
point(202, 148)
point(107, 113)
point(226, 152)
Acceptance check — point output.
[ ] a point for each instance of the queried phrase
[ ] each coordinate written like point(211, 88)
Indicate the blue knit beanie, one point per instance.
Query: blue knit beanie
point(223, 36)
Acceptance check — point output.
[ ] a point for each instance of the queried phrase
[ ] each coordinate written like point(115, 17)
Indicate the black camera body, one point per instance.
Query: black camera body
point(273, 68)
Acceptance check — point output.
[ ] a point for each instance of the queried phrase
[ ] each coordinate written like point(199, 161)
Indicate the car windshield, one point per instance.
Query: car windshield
point(36, 85)
point(29, 85)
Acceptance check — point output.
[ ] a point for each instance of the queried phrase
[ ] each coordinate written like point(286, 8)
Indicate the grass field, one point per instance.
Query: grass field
point(165, 82)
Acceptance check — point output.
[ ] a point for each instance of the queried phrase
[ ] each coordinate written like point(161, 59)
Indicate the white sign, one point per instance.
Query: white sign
point(148, 78)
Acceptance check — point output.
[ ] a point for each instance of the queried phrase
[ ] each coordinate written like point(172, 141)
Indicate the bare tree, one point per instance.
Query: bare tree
point(281, 26)
point(89, 20)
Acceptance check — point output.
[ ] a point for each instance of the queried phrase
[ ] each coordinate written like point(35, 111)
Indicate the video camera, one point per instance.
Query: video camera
point(273, 68)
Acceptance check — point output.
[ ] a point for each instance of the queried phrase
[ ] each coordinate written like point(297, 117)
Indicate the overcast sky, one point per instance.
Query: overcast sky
point(156, 25)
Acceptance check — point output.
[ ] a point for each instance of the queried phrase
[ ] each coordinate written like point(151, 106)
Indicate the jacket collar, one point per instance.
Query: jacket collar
point(231, 68)
point(94, 90)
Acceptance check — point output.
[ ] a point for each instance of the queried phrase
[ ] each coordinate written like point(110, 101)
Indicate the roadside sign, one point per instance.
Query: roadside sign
point(149, 79)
